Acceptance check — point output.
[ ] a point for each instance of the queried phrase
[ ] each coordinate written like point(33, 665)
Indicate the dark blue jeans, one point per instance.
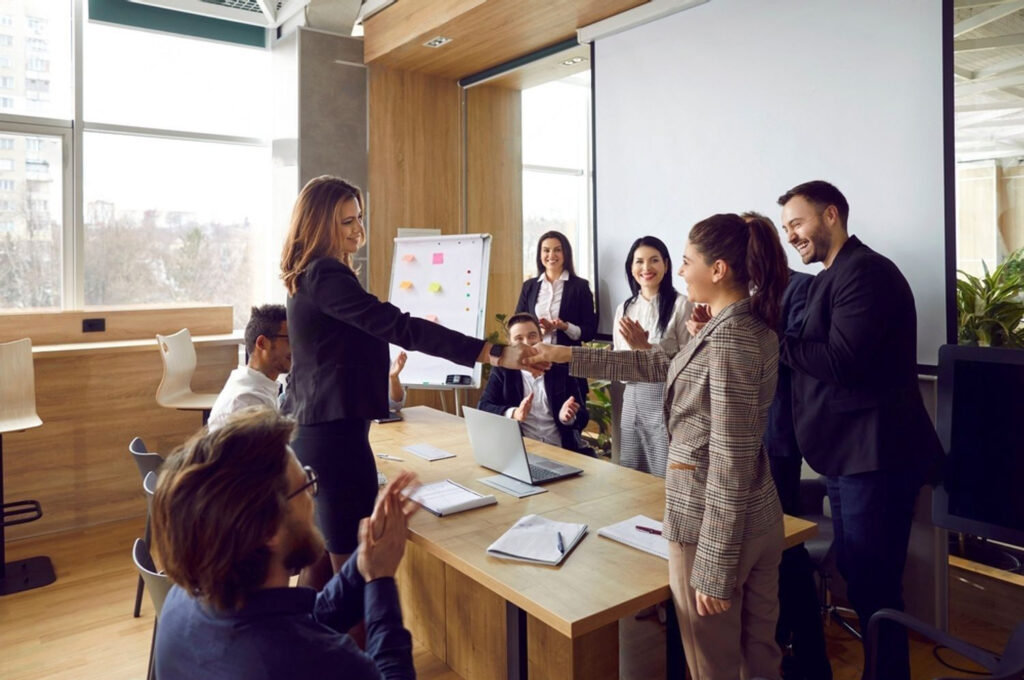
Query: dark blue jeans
point(871, 514)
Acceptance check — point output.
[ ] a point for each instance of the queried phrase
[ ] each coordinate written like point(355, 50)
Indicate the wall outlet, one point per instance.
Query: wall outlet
point(94, 325)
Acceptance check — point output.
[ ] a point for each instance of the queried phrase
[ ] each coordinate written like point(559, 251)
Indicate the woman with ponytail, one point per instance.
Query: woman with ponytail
point(655, 314)
point(722, 515)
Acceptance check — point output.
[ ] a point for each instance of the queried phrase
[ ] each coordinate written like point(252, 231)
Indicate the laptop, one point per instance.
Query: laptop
point(498, 445)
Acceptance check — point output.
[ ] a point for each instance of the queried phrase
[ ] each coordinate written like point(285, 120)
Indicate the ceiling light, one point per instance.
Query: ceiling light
point(573, 61)
point(437, 41)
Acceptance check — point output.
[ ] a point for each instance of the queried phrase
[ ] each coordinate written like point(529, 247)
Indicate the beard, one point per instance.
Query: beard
point(304, 545)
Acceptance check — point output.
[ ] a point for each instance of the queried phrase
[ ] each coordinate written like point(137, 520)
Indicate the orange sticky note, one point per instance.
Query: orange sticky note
point(405, 285)
point(408, 257)
point(431, 317)
point(434, 287)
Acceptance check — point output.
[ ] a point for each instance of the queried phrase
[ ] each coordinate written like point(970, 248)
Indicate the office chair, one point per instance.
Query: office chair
point(147, 462)
point(159, 585)
point(1007, 666)
point(175, 389)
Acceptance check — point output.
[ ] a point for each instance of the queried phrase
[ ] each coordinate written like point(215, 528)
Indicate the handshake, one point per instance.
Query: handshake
point(534, 358)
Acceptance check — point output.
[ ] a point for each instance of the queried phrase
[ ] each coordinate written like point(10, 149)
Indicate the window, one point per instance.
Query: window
point(36, 45)
point(37, 166)
point(6, 20)
point(30, 235)
point(6, 40)
point(37, 64)
point(36, 84)
point(6, 103)
point(33, 143)
point(36, 24)
point(7, 82)
point(6, 143)
point(556, 169)
point(5, 61)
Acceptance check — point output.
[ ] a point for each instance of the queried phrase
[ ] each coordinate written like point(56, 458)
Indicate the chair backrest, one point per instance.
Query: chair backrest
point(17, 387)
point(145, 460)
point(156, 582)
point(179, 357)
point(149, 486)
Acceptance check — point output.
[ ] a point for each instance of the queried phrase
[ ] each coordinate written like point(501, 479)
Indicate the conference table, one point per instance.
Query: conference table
point(491, 618)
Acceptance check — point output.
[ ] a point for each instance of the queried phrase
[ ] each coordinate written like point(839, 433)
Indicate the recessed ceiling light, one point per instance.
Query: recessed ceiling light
point(573, 61)
point(437, 41)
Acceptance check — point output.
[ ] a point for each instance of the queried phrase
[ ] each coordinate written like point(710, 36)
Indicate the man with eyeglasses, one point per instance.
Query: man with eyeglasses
point(233, 521)
point(270, 355)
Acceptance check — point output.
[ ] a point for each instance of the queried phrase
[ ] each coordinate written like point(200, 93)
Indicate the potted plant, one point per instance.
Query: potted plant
point(990, 308)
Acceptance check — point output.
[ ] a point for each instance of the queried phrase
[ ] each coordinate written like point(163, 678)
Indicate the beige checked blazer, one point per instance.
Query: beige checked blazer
point(718, 485)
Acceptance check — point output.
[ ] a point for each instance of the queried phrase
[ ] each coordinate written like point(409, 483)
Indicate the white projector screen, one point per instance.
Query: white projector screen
point(724, 107)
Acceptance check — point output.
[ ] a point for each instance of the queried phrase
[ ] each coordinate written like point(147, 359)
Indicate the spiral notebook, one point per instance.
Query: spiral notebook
point(447, 498)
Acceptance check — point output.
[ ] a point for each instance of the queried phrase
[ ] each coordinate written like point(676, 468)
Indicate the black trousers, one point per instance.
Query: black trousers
point(799, 613)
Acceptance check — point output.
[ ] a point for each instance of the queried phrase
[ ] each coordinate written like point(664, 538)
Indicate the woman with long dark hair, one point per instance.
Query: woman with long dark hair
point(722, 515)
point(339, 335)
point(560, 299)
point(654, 314)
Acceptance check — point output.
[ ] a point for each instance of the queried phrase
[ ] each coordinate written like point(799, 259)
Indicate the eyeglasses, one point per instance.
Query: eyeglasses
point(312, 483)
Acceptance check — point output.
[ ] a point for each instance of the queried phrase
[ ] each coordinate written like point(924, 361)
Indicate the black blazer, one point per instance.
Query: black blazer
point(577, 307)
point(856, 402)
point(339, 336)
point(504, 390)
point(779, 433)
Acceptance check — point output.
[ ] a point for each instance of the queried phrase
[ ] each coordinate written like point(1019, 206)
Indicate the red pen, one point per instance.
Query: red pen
point(648, 530)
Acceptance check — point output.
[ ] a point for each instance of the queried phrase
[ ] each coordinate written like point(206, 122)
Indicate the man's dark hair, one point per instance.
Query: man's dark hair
point(221, 496)
point(521, 317)
point(822, 195)
point(265, 321)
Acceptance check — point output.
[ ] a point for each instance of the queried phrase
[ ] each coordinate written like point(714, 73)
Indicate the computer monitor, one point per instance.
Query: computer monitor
point(981, 425)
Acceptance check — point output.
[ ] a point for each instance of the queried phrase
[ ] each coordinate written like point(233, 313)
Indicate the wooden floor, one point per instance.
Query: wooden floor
point(81, 627)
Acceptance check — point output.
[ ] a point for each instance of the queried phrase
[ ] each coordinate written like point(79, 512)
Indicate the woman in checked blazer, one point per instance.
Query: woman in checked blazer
point(723, 520)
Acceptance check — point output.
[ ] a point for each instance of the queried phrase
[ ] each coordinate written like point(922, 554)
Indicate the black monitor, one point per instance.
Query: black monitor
point(980, 421)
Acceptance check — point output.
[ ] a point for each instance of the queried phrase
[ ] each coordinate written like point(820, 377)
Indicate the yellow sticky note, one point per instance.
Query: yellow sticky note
point(408, 257)
point(405, 285)
point(434, 287)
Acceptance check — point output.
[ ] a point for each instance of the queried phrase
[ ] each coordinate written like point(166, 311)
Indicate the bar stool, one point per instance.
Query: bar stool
point(18, 413)
point(175, 390)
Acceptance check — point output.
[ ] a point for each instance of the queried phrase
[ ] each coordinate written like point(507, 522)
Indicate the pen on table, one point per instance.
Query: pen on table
point(561, 546)
point(648, 530)
point(387, 456)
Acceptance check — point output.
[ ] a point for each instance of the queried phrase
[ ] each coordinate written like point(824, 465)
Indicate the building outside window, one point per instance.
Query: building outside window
point(6, 40)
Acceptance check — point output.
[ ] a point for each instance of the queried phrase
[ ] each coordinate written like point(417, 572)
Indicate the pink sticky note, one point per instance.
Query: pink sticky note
point(408, 257)
point(438, 258)
point(431, 317)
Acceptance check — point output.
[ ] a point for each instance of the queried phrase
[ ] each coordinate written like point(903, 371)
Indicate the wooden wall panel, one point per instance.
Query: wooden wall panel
point(92, 404)
point(415, 169)
point(122, 323)
point(494, 189)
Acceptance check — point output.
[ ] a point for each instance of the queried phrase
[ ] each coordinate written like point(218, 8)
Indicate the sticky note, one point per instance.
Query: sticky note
point(434, 287)
point(405, 285)
point(438, 258)
point(408, 257)
point(431, 317)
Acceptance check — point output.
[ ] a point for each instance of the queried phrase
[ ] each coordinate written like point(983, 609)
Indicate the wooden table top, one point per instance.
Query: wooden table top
point(599, 582)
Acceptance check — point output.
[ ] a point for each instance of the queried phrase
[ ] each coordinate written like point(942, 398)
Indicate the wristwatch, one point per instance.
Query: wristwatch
point(495, 353)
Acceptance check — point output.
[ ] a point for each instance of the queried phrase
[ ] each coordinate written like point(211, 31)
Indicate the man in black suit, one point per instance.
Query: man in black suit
point(858, 413)
point(549, 406)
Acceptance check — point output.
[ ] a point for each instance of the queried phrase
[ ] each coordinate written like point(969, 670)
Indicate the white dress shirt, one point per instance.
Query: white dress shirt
point(540, 423)
point(645, 312)
point(549, 304)
point(245, 387)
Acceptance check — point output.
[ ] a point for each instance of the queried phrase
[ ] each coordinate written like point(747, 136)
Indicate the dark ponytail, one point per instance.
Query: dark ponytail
point(754, 254)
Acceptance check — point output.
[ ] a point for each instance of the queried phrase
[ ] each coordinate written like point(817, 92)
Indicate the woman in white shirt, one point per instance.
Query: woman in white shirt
point(655, 314)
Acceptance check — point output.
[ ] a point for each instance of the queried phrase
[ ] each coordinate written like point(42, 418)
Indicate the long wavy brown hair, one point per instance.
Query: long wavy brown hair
point(313, 231)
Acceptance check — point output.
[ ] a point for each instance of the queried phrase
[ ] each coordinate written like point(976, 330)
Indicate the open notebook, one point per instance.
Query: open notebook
point(627, 532)
point(538, 539)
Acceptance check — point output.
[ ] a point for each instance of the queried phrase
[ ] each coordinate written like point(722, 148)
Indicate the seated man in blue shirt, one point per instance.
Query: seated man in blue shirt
point(233, 520)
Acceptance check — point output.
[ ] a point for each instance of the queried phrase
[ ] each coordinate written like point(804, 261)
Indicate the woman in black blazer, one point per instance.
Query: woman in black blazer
point(560, 300)
point(339, 336)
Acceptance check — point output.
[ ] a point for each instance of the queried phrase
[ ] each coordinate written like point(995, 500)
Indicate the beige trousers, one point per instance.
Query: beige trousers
point(739, 643)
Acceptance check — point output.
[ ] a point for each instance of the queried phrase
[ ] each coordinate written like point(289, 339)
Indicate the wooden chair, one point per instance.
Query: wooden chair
point(148, 463)
point(159, 585)
point(175, 390)
point(18, 413)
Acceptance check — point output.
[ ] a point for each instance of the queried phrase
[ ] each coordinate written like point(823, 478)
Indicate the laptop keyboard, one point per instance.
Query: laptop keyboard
point(541, 474)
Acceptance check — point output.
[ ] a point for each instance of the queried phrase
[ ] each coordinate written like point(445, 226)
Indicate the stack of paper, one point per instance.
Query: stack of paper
point(538, 539)
point(648, 539)
point(428, 452)
point(447, 498)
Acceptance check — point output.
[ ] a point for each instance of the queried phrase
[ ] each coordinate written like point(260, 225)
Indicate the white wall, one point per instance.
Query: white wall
point(723, 107)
